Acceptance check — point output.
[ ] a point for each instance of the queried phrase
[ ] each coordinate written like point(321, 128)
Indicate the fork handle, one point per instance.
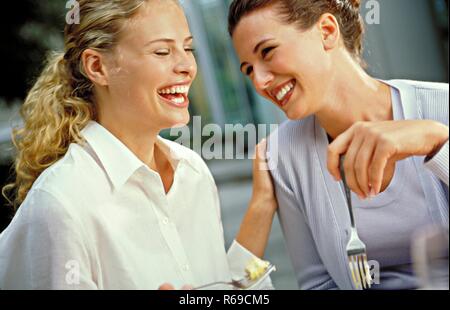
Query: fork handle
point(348, 194)
point(213, 284)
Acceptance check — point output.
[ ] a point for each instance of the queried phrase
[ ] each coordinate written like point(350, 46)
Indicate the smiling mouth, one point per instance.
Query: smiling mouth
point(284, 93)
point(176, 96)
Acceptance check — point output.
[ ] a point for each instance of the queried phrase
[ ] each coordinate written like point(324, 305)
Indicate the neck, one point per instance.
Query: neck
point(141, 141)
point(353, 96)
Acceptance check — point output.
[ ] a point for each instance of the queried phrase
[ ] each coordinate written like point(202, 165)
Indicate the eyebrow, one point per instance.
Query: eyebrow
point(255, 50)
point(167, 40)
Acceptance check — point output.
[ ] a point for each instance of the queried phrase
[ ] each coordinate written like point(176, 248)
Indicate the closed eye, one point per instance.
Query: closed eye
point(266, 51)
point(162, 52)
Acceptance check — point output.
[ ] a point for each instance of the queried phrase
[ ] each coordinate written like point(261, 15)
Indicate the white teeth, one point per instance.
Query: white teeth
point(178, 100)
point(174, 90)
point(284, 91)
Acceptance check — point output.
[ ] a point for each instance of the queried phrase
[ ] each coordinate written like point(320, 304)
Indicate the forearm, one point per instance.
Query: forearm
point(256, 225)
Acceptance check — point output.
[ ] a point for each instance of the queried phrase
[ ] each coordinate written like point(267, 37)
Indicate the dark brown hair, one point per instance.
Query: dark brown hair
point(305, 13)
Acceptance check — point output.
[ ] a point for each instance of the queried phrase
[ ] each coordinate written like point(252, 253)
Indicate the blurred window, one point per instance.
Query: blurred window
point(440, 10)
point(219, 94)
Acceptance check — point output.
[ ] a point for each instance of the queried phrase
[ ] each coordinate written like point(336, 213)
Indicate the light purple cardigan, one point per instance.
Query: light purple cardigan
point(312, 206)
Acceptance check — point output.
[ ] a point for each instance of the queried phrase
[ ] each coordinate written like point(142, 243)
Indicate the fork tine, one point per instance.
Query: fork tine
point(356, 272)
point(350, 263)
point(362, 270)
point(361, 275)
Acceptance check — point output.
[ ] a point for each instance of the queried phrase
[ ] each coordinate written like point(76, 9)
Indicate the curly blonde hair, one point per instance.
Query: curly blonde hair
point(61, 102)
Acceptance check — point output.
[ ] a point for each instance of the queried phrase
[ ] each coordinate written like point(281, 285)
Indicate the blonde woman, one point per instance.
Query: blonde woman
point(105, 203)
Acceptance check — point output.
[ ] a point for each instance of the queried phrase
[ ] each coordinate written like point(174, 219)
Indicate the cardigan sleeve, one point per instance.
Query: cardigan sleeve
point(433, 100)
point(310, 271)
point(438, 164)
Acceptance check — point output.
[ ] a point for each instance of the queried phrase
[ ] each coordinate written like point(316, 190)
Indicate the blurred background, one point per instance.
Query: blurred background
point(411, 42)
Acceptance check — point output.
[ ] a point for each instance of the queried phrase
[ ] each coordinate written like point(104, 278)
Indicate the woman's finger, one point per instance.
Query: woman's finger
point(335, 149)
point(349, 165)
point(377, 166)
point(362, 163)
point(166, 287)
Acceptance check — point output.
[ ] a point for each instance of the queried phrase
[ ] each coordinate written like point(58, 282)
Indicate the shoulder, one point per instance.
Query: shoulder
point(76, 177)
point(289, 151)
point(43, 212)
point(291, 137)
point(58, 173)
point(425, 92)
point(431, 99)
point(425, 86)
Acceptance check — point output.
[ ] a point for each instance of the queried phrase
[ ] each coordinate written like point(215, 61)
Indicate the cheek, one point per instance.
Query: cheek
point(194, 70)
point(142, 81)
point(309, 61)
point(194, 67)
point(123, 76)
point(146, 72)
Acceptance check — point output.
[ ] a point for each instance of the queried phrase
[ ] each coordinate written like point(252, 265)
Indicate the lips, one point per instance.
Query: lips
point(175, 95)
point(282, 93)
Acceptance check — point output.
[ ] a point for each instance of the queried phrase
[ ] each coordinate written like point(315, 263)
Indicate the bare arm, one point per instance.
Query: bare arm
point(257, 223)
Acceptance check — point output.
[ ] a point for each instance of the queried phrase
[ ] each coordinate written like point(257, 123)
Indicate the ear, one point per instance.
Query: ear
point(94, 67)
point(329, 30)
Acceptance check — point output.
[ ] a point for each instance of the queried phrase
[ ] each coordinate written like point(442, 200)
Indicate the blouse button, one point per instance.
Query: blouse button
point(165, 221)
point(186, 267)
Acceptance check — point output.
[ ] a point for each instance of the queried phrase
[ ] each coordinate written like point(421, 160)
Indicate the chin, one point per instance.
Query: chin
point(180, 120)
point(296, 113)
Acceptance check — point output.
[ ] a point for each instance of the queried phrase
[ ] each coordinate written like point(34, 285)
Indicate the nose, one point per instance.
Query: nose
point(186, 65)
point(262, 78)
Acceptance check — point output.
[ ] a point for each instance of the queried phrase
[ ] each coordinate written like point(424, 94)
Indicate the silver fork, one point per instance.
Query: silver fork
point(356, 249)
point(241, 284)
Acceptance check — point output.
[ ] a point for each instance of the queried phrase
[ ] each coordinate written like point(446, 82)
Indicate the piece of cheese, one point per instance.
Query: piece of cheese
point(256, 268)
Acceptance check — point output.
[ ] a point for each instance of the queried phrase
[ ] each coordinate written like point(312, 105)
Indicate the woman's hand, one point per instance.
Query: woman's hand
point(263, 190)
point(372, 148)
point(257, 223)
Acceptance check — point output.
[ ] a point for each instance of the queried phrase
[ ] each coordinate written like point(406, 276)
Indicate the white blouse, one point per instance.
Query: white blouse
point(99, 218)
